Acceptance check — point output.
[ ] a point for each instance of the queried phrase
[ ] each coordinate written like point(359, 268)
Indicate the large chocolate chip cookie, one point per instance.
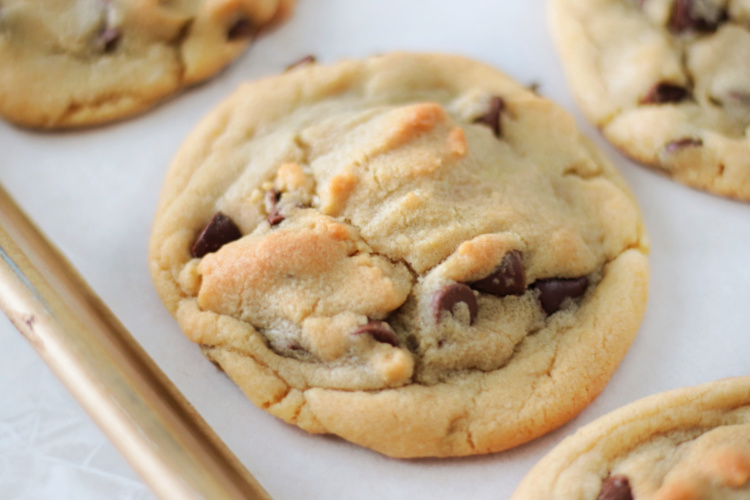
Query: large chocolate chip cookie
point(412, 252)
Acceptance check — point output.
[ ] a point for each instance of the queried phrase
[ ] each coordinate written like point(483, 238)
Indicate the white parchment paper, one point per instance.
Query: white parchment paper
point(94, 193)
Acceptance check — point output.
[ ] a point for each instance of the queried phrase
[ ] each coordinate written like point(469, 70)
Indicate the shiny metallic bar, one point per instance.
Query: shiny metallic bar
point(116, 382)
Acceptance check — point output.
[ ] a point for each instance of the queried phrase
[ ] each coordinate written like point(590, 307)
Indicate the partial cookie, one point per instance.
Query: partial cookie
point(667, 81)
point(412, 252)
point(70, 63)
point(687, 444)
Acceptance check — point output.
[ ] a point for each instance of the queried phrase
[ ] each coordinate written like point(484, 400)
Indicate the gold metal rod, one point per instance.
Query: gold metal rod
point(127, 395)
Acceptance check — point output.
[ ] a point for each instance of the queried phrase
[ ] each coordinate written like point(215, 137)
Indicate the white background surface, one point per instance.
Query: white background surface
point(94, 194)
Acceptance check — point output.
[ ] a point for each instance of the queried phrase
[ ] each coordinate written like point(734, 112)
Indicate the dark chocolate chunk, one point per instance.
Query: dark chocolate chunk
point(685, 17)
point(241, 29)
point(272, 200)
point(449, 296)
point(493, 116)
point(615, 488)
point(662, 93)
point(220, 231)
point(508, 279)
point(108, 40)
point(380, 331)
point(305, 60)
point(680, 144)
point(554, 291)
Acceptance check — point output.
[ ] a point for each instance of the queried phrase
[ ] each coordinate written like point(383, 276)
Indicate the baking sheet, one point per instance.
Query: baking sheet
point(94, 193)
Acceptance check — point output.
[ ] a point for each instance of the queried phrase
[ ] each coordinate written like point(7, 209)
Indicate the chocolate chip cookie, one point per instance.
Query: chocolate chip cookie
point(412, 252)
point(667, 81)
point(687, 444)
point(70, 63)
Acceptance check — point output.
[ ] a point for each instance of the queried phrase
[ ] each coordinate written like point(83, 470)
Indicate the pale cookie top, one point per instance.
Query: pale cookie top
point(412, 252)
point(69, 63)
point(687, 444)
point(667, 81)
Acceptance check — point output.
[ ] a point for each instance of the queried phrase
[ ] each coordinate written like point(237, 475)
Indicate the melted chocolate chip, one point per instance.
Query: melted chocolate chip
point(615, 488)
point(380, 331)
point(272, 200)
point(662, 93)
point(685, 18)
point(449, 296)
point(680, 144)
point(305, 60)
point(508, 279)
point(241, 29)
point(108, 40)
point(493, 116)
point(554, 291)
point(220, 231)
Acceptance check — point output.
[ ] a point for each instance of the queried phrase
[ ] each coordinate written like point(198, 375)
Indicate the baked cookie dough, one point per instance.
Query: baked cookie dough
point(667, 81)
point(71, 63)
point(412, 252)
point(687, 444)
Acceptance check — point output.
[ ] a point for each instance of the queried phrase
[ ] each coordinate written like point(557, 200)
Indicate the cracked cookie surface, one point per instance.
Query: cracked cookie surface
point(412, 252)
point(667, 81)
point(686, 444)
point(70, 63)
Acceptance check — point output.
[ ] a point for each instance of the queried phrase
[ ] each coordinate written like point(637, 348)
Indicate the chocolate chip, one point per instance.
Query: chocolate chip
point(380, 331)
point(108, 40)
point(272, 200)
point(508, 279)
point(493, 116)
point(305, 60)
point(241, 29)
point(449, 296)
point(665, 93)
point(685, 16)
point(615, 488)
point(275, 218)
point(220, 231)
point(554, 291)
point(680, 144)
